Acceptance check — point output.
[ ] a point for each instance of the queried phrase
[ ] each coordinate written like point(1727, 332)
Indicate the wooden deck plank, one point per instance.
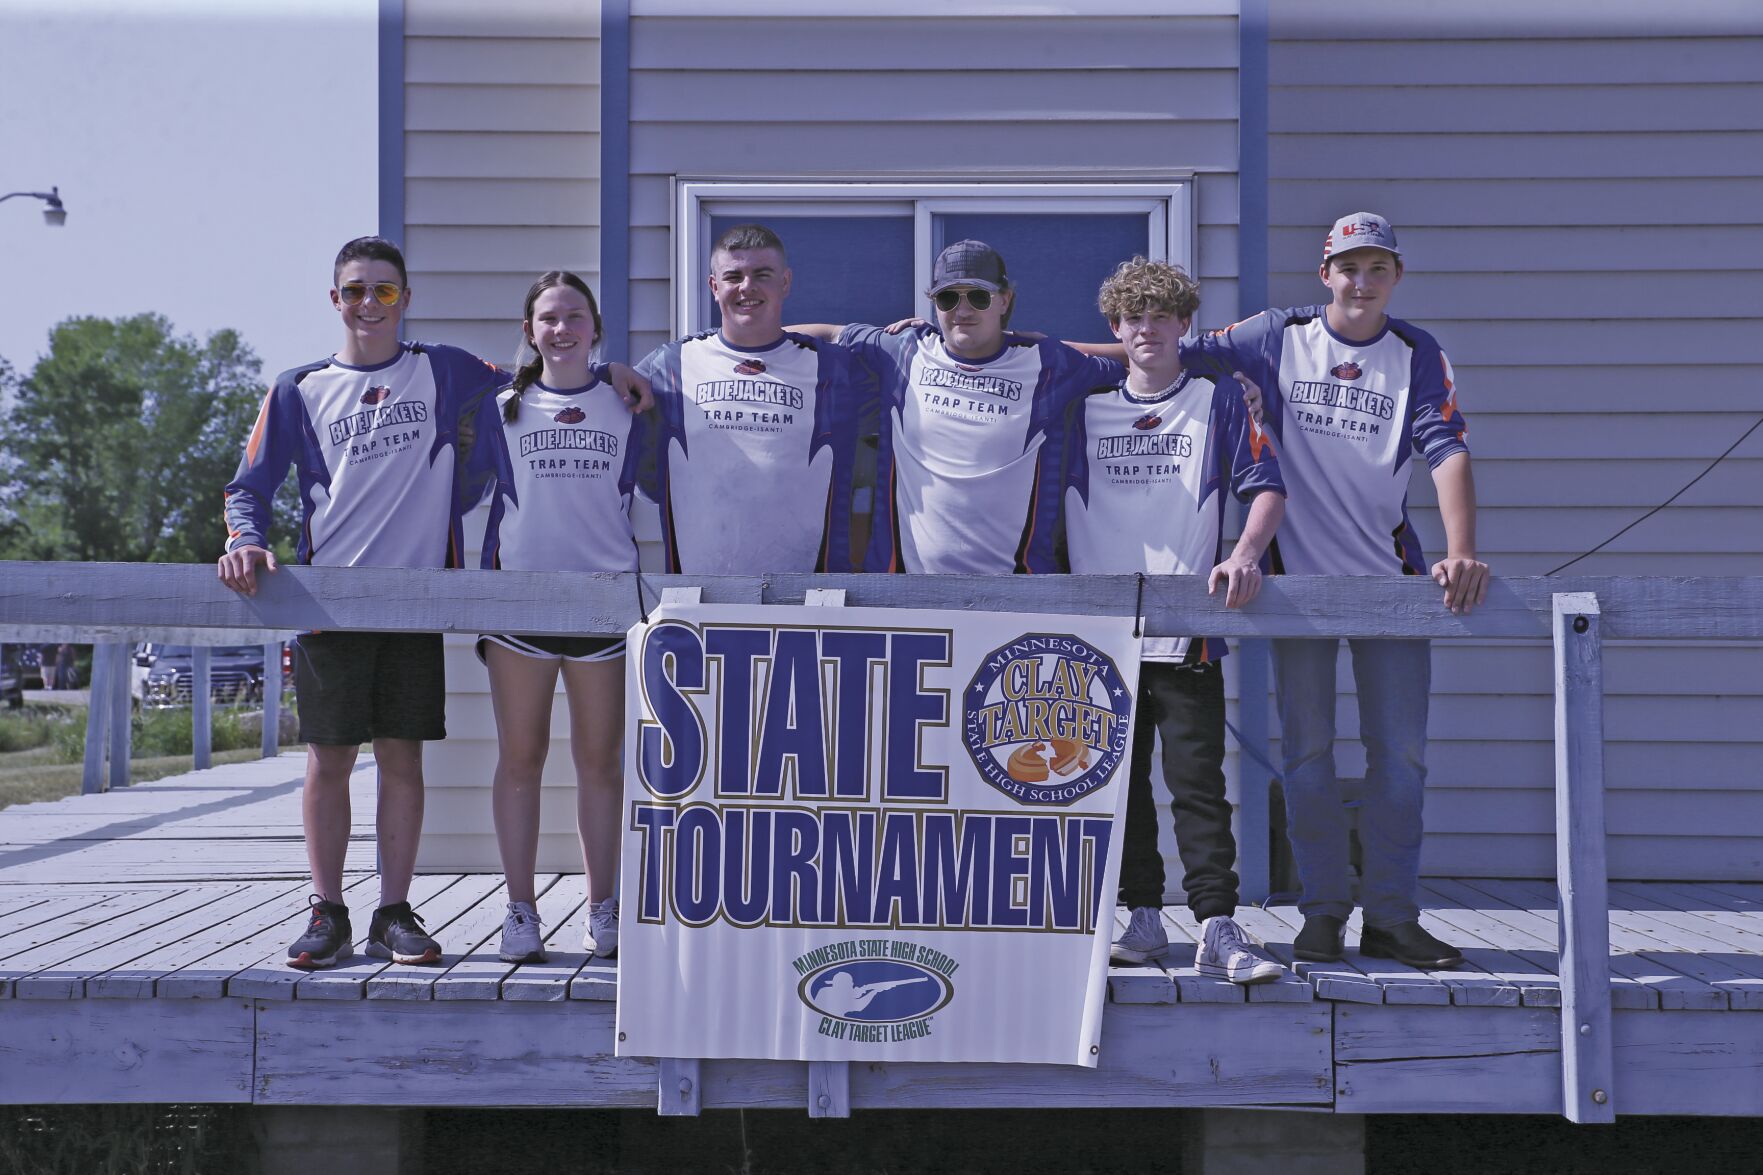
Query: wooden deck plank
point(564, 909)
point(479, 975)
point(245, 914)
point(45, 912)
point(1677, 988)
point(1538, 985)
point(1635, 982)
point(467, 937)
point(270, 978)
point(439, 898)
point(1343, 981)
point(207, 977)
point(1455, 1060)
point(431, 1053)
point(84, 1051)
point(1710, 957)
point(139, 935)
point(77, 927)
point(597, 980)
point(1288, 988)
point(1137, 983)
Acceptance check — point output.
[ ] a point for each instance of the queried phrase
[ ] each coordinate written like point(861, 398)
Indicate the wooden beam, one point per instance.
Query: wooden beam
point(1254, 781)
point(272, 699)
point(681, 1088)
point(201, 706)
point(147, 597)
point(121, 724)
point(97, 720)
point(1586, 1064)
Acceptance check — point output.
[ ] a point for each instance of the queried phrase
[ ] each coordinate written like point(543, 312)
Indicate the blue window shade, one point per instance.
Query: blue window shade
point(844, 268)
point(1056, 262)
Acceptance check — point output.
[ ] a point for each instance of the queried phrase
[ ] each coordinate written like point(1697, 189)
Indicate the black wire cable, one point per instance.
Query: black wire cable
point(1674, 497)
point(642, 609)
point(1138, 608)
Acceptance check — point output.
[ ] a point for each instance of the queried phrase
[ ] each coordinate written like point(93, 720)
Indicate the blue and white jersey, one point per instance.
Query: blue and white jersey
point(1142, 482)
point(957, 469)
point(377, 454)
point(1346, 417)
point(563, 469)
point(751, 451)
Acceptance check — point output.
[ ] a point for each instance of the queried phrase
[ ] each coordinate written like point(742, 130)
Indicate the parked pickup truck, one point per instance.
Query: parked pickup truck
point(164, 675)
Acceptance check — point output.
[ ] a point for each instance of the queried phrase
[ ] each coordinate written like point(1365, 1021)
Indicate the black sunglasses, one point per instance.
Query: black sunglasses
point(947, 300)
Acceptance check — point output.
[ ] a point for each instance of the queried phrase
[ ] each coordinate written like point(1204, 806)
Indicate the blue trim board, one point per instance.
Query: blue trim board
point(1254, 860)
point(615, 179)
point(391, 71)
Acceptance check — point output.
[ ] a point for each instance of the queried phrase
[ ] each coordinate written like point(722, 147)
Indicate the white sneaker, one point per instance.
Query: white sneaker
point(1144, 937)
point(1226, 952)
point(601, 939)
point(520, 935)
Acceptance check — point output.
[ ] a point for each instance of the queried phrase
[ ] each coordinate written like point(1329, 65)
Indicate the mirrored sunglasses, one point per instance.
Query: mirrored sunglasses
point(385, 293)
point(947, 300)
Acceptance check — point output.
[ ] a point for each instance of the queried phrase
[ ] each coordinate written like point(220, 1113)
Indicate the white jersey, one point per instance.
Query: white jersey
point(564, 471)
point(958, 466)
point(751, 451)
point(1144, 484)
point(1347, 416)
point(375, 449)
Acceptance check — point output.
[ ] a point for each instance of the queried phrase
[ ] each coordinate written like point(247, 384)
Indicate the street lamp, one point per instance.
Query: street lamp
point(54, 214)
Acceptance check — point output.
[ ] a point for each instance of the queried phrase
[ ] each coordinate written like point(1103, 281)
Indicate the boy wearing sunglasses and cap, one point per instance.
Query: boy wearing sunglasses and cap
point(965, 411)
point(376, 430)
point(1351, 395)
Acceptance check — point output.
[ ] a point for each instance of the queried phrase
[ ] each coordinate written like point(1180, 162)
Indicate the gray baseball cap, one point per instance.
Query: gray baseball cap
point(969, 263)
point(1360, 230)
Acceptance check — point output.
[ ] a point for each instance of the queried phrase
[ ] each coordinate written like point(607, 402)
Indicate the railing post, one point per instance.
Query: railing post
point(201, 706)
point(121, 728)
point(1254, 784)
point(1584, 915)
point(97, 720)
point(272, 699)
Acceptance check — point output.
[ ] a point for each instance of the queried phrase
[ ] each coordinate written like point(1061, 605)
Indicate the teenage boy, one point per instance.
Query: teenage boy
point(755, 438)
point(966, 410)
point(1142, 479)
point(1350, 394)
point(376, 432)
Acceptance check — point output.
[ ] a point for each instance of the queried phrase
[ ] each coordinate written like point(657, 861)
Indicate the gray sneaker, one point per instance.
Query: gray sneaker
point(1226, 952)
point(520, 934)
point(602, 937)
point(1144, 937)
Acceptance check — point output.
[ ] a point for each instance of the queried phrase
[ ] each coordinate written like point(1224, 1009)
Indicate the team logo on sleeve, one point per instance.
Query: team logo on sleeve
point(1347, 370)
point(375, 394)
point(750, 367)
point(1148, 421)
point(1046, 718)
point(570, 415)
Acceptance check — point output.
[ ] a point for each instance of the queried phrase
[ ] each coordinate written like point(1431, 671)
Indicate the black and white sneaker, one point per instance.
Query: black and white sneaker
point(328, 938)
point(397, 934)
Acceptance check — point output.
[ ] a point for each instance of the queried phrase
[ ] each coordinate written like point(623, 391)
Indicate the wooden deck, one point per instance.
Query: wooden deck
point(142, 940)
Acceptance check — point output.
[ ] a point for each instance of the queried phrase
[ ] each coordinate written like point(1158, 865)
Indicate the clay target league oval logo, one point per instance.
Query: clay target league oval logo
point(750, 367)
point(570, 415)
point(375, 394)
point(875, 991)
point(1046, 718)
point(1347, 370)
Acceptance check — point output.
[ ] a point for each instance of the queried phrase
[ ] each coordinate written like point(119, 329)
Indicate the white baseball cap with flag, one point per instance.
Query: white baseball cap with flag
point(1360, 230)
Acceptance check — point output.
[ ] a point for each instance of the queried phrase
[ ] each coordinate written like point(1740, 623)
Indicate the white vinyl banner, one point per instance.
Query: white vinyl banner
point(871, 834)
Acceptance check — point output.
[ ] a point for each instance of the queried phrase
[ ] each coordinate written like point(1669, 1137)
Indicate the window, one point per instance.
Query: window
point(862, 251)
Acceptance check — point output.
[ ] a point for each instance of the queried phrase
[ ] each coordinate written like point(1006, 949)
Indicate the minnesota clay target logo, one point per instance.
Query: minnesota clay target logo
point(1045, 718)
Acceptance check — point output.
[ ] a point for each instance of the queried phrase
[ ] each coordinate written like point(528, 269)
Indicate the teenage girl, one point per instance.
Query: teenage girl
point(563, 481)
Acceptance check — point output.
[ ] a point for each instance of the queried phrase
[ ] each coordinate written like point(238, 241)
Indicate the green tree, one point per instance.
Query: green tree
point(119, 441)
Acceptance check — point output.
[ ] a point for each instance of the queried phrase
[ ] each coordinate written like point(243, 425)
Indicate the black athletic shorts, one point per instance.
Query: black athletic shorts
point(354, 687)
point(557, 648)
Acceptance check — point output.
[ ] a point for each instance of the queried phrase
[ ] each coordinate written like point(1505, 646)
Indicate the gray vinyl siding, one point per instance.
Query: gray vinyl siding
point(1064, 91)
point(502, 166)
point(1582, 217)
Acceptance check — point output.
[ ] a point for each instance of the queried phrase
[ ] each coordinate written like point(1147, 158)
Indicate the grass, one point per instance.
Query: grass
point(41, 748)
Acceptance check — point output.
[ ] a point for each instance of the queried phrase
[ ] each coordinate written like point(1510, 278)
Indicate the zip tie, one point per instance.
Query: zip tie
point(1138, 608)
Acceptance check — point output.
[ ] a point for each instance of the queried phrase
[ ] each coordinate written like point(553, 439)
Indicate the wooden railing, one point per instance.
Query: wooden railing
point(119, 603)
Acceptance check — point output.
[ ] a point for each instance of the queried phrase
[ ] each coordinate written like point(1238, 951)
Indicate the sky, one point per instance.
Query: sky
point(212, 157)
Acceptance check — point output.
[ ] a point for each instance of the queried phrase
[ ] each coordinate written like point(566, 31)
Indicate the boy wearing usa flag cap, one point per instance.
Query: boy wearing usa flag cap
point(1351, 396)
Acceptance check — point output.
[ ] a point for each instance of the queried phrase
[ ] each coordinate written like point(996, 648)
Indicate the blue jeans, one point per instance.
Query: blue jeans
point(1394, 678)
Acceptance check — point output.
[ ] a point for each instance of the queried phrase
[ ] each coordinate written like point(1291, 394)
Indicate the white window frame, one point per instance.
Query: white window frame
point(1167, 205)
